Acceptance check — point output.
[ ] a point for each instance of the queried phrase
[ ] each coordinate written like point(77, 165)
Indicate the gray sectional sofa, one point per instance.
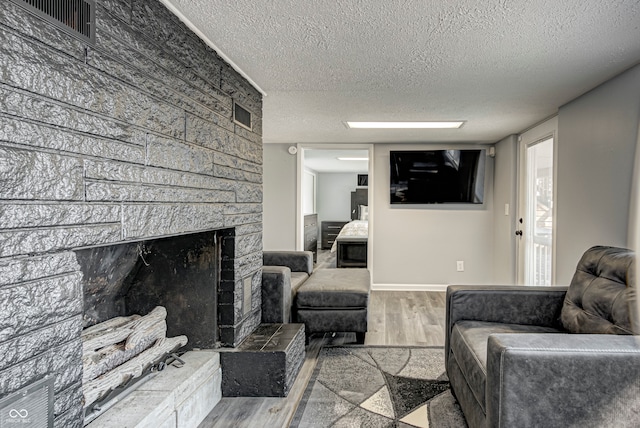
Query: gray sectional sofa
point(520, 356)
point(327, 300)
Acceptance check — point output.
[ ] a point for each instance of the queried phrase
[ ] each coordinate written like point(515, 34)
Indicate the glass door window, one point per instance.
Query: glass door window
point(539, 213)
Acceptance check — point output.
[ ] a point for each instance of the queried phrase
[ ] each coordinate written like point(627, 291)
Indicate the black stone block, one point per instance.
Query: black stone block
point(266, 363)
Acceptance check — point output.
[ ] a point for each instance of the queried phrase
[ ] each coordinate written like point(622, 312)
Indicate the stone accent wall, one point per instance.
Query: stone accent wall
point(129, 139)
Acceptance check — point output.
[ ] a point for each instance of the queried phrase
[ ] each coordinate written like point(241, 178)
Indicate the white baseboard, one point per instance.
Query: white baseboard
point(409, 287)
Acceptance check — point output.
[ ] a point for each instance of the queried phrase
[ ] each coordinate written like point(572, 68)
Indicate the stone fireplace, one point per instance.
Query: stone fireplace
point(119, 144)
point(181, 273)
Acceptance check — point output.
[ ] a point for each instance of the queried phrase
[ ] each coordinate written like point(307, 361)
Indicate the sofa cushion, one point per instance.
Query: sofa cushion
point(469, 347)
point(335, 288)
point(599, 298)
point(297, 279)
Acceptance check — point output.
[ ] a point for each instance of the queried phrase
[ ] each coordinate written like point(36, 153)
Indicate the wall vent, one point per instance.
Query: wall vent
point(75, 17)
point(241, 116)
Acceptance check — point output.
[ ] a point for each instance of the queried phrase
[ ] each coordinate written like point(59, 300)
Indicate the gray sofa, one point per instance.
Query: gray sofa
point(328, 300)
point(283, 272)
point(520, 356)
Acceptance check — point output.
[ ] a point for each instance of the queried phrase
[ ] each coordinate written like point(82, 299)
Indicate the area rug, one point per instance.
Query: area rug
point(379, 386)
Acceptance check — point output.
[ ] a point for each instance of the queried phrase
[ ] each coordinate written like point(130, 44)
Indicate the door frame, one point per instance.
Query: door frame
point(538, 133)
point(300, 167)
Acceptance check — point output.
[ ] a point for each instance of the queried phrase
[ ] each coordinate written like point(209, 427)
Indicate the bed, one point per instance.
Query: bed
point(351, 245)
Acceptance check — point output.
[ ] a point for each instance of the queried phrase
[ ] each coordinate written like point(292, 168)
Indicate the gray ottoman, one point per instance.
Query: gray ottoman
point(334, 300)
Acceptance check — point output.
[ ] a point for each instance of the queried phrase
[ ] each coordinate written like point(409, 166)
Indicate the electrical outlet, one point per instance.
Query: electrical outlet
point(460, 266)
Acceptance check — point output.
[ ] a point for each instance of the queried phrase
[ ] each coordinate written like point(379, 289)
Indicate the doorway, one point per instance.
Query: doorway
point(340, 172)
point(536, 214)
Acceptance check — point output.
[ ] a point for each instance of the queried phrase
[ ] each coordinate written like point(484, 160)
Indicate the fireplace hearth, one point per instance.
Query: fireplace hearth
point(143, 301)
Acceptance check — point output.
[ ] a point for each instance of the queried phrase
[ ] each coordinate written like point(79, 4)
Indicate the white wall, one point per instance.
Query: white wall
point(597, 135)
point(334, 195)
point(505, 192)
point(417, 246)
point(279, 193)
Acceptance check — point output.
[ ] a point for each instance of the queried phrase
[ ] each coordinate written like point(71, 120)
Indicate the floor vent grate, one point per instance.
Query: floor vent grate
point(31, 406)
point(75, 17)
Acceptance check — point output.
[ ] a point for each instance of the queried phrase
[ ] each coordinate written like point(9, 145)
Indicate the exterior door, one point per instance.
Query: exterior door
point(535, 220)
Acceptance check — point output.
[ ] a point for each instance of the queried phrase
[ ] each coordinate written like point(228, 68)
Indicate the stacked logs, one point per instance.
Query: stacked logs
point(119, 349)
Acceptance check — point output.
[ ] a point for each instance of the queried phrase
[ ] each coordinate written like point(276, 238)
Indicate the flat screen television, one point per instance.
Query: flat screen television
point(437, 176)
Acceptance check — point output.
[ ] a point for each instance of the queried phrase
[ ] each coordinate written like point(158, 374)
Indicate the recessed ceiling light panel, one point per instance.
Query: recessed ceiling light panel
point(352, 159)
point(405, 125)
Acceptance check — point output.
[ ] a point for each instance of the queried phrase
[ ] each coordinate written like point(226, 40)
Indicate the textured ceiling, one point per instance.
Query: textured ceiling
point(500, 65)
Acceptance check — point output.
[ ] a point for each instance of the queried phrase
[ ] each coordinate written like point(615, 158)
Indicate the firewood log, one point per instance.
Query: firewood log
point(101, 385)
point(101, 361)
point(108, 324)
point(109, 334)
point(144, 326)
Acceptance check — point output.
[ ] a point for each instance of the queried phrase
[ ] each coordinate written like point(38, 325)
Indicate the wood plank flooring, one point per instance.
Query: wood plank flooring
point(406, 318)
point(395, 318)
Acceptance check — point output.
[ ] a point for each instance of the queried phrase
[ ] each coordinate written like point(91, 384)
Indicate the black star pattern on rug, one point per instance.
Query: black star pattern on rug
point(407, 394)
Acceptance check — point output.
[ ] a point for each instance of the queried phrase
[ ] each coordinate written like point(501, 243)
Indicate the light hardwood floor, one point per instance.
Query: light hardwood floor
point(395, 318)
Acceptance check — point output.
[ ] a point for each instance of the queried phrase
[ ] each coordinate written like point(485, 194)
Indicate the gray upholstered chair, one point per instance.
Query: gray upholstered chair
point(521, 356)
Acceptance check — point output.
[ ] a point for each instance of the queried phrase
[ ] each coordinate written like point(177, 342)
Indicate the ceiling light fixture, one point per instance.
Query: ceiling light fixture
point(405, 125)
point(353, 159)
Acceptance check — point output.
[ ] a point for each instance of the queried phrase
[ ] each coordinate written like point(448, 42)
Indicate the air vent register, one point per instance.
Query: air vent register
point(75, 17)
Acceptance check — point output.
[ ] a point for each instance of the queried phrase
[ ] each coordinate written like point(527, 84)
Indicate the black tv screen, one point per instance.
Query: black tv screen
point(437, 176)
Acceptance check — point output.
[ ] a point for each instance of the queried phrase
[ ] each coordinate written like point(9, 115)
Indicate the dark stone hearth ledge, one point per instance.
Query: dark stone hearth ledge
point(266, 364)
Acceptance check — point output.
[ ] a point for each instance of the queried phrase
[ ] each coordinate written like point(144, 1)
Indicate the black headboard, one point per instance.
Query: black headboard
point(358, 197)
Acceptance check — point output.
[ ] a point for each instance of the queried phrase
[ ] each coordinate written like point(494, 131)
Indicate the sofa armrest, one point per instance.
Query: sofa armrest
point(559, 380)
point(511, 304)
point(276, 294)
point(297, 261)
